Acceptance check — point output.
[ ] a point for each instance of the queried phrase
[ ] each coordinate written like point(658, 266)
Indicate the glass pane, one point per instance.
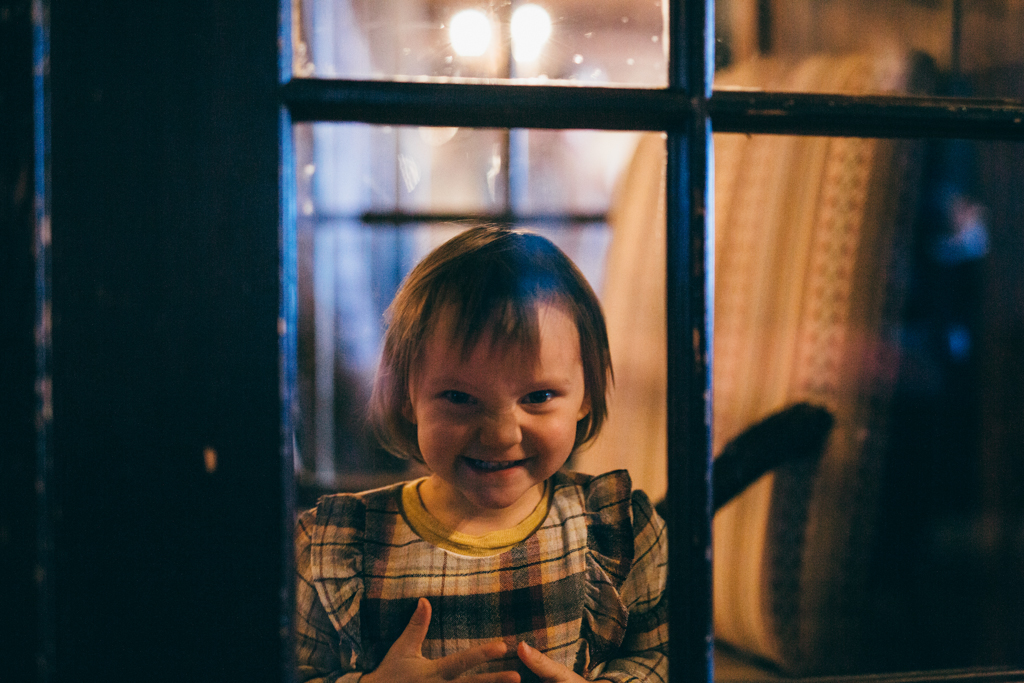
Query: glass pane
point(353, 169)
point(880, 280)
point(938, 47)
point(618, 43)
point(373, 200)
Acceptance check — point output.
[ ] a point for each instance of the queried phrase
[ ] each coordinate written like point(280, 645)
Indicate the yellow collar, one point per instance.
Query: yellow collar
point(431, 530)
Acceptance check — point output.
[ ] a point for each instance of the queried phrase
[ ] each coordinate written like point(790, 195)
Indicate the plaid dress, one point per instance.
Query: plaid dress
point(586, 588)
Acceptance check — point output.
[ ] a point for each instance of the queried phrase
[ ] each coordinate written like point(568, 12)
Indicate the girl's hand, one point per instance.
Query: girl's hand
point(405, 663)
point(546, 668)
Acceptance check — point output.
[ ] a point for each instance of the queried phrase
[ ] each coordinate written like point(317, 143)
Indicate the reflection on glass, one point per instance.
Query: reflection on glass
point(618, 43)
point(965, 44)
point(373, 200)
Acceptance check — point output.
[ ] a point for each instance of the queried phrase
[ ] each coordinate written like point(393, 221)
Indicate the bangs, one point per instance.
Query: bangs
point(504, 323)
point(497, 289)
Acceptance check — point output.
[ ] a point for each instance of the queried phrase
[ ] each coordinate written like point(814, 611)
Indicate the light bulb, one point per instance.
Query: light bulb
point(470, 32)
point(531, 28)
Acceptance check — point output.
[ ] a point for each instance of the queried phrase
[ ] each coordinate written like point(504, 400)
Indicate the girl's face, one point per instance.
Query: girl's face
point(494, 425)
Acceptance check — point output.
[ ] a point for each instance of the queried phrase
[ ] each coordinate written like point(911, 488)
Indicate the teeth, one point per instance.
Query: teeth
point(491, 466)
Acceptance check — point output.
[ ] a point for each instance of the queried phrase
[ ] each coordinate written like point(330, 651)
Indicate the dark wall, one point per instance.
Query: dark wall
point(18, 598)
point(165, 300)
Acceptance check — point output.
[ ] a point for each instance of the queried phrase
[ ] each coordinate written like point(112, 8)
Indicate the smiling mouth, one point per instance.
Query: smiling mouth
point(491, 466)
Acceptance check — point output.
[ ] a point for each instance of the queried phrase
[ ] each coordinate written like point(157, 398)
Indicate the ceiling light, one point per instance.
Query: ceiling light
point(470, 32)
point(531, 28)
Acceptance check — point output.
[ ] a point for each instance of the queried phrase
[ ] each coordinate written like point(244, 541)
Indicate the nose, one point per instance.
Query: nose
point(500, 430)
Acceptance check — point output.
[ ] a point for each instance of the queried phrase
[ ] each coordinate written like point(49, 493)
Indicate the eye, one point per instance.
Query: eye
point(458, 398)
point(539, 396)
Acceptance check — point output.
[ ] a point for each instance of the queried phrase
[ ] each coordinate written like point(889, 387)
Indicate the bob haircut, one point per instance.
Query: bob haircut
point(494, 280)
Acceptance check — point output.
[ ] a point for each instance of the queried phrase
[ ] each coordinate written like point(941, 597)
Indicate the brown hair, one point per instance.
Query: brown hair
point(494, 279)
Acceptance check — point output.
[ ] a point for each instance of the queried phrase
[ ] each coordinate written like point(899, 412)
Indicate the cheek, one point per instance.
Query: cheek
point(559, 436)
point(431, 446)
point(440, 435)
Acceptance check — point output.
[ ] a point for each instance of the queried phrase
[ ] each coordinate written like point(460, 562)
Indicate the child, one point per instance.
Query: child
point(499, 564)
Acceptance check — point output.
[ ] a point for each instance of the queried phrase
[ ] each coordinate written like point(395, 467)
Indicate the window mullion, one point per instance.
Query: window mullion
point(518, 106)
point(486, 106)
point(689, 273)
point(881, 116)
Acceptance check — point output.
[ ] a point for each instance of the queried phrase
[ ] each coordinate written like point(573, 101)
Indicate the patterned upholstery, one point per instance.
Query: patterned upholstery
point(810, 233)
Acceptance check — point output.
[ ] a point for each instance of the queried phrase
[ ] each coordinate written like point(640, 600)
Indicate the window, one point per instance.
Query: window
point(563, 106)
point(407, 84)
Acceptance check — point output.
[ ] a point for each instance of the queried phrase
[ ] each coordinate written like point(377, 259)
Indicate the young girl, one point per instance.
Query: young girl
point(499, 565)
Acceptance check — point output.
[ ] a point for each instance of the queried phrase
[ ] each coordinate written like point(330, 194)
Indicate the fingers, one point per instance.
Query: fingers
point(546, 668)
point(411, 640)
point(455, 665)
point(500, 677)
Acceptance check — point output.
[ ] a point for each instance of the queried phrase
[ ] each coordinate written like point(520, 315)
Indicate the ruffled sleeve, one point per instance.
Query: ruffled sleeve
point(609, 556)
point(625, 614)
point(329, 588)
